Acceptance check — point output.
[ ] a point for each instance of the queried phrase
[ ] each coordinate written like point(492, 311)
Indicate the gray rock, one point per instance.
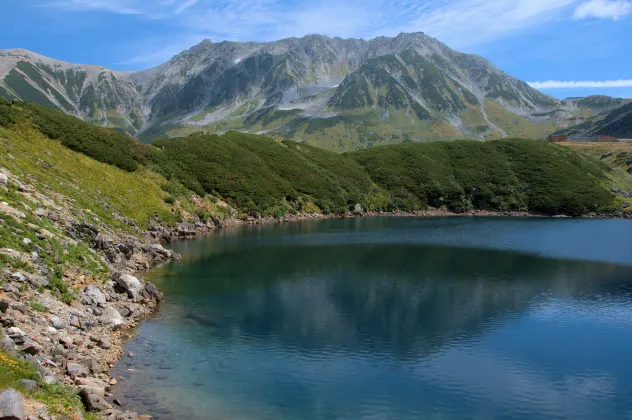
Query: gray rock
point(76, 369)
point(153, 291)
point(74, 321)
point(31, 347)
point(20, 307)
point(7, 344)
point(93, 366)
point(111, 317)
point(128, 283)
point(56, 322)
point(28, 384)
point(40, 212)
point(92, 400)
point(26, 241)
point(66, 342)
point(95, 294)
point(19, 277)
point(4, 180)
point(124, 311)
point(11, 405)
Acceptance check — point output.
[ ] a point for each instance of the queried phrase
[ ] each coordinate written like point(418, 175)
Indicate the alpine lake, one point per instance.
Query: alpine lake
point(391, 318)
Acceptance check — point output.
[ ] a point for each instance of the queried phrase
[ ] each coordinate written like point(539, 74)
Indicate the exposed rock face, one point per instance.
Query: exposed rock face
point(314, 78)
point(11, 405)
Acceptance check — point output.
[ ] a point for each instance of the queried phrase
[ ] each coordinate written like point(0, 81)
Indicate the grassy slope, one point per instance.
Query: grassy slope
point(516, 126)
point(616, 155)
point(261, 176)
point(61, 401)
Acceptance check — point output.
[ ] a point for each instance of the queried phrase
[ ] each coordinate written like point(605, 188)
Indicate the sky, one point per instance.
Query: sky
point(563, 47)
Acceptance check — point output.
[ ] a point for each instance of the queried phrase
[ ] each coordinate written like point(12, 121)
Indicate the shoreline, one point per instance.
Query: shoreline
point(78, 345)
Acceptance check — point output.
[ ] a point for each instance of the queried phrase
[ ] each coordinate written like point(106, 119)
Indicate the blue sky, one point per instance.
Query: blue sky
point(573, 47)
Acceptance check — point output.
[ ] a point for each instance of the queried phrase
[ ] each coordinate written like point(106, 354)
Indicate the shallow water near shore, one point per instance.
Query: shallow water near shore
point(391, 318)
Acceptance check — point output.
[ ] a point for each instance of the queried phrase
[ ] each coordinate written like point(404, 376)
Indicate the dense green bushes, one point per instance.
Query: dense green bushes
point(260, 176)
point(504, 175)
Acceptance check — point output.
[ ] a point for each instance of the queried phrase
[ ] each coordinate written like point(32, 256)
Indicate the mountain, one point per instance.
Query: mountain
point(93, 93)
point(340, 94)
point(615, 122)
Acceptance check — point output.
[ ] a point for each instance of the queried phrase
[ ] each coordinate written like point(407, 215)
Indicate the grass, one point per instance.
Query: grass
point(516, 126)
point(616, 155)
point(61, 401)
point(262, 176)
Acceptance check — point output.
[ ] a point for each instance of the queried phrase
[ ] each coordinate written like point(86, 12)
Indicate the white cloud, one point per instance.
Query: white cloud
point(184, 6)
point(555, 84)
point(603, 9)
point(459, 23)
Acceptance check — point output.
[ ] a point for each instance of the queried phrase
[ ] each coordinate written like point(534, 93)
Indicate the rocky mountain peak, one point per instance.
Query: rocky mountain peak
point(410, 86)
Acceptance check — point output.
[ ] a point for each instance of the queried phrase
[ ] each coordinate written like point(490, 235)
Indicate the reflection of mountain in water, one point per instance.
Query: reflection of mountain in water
point(402, 300)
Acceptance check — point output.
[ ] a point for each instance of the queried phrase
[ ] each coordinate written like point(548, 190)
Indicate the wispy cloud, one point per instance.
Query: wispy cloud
point(113, 6)
point(459, 23)
point(556, 84)
point(603, 9)
point(184, 6)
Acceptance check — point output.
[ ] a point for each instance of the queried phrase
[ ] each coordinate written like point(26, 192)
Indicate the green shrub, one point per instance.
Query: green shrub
point(503, 175)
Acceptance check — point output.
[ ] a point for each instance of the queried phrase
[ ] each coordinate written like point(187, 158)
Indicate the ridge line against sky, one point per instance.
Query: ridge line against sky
point(572, 41)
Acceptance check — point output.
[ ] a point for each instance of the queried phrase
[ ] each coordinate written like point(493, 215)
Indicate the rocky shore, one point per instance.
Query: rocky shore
point(74, 337)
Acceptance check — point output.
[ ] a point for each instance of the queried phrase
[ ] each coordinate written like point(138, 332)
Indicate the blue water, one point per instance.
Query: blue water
point(391, 318)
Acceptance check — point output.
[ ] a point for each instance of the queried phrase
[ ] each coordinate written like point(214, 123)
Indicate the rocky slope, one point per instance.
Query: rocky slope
point(615, 122)
point(338, 93)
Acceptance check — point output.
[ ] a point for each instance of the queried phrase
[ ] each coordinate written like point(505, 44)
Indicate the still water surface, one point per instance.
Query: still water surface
point(392, 318)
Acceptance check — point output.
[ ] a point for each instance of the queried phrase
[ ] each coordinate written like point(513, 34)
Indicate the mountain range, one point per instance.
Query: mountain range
point(340, 94)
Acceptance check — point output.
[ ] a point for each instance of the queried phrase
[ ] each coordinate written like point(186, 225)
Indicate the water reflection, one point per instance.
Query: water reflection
point(276, 324)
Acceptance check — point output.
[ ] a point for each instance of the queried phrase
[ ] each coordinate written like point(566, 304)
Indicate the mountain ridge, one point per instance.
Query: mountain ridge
point(341, 94)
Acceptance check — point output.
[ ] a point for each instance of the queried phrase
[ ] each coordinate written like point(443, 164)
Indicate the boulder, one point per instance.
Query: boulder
point(93, 366)
point(153, 291)
point(93, 400)
point(11, 405)
point(14, 332)
point(102, 342)
point(56, 322)
point(4, 180)
point(128, 283)
point(94, 294)
point(76, 369)
point(19, 277)
point(111, 317)
point(28, 384)
point(4, 305)
point(7, 344)
point(31, 347)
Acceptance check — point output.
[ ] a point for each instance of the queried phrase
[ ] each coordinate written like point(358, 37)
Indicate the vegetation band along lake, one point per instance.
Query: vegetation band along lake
point(400, 318)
